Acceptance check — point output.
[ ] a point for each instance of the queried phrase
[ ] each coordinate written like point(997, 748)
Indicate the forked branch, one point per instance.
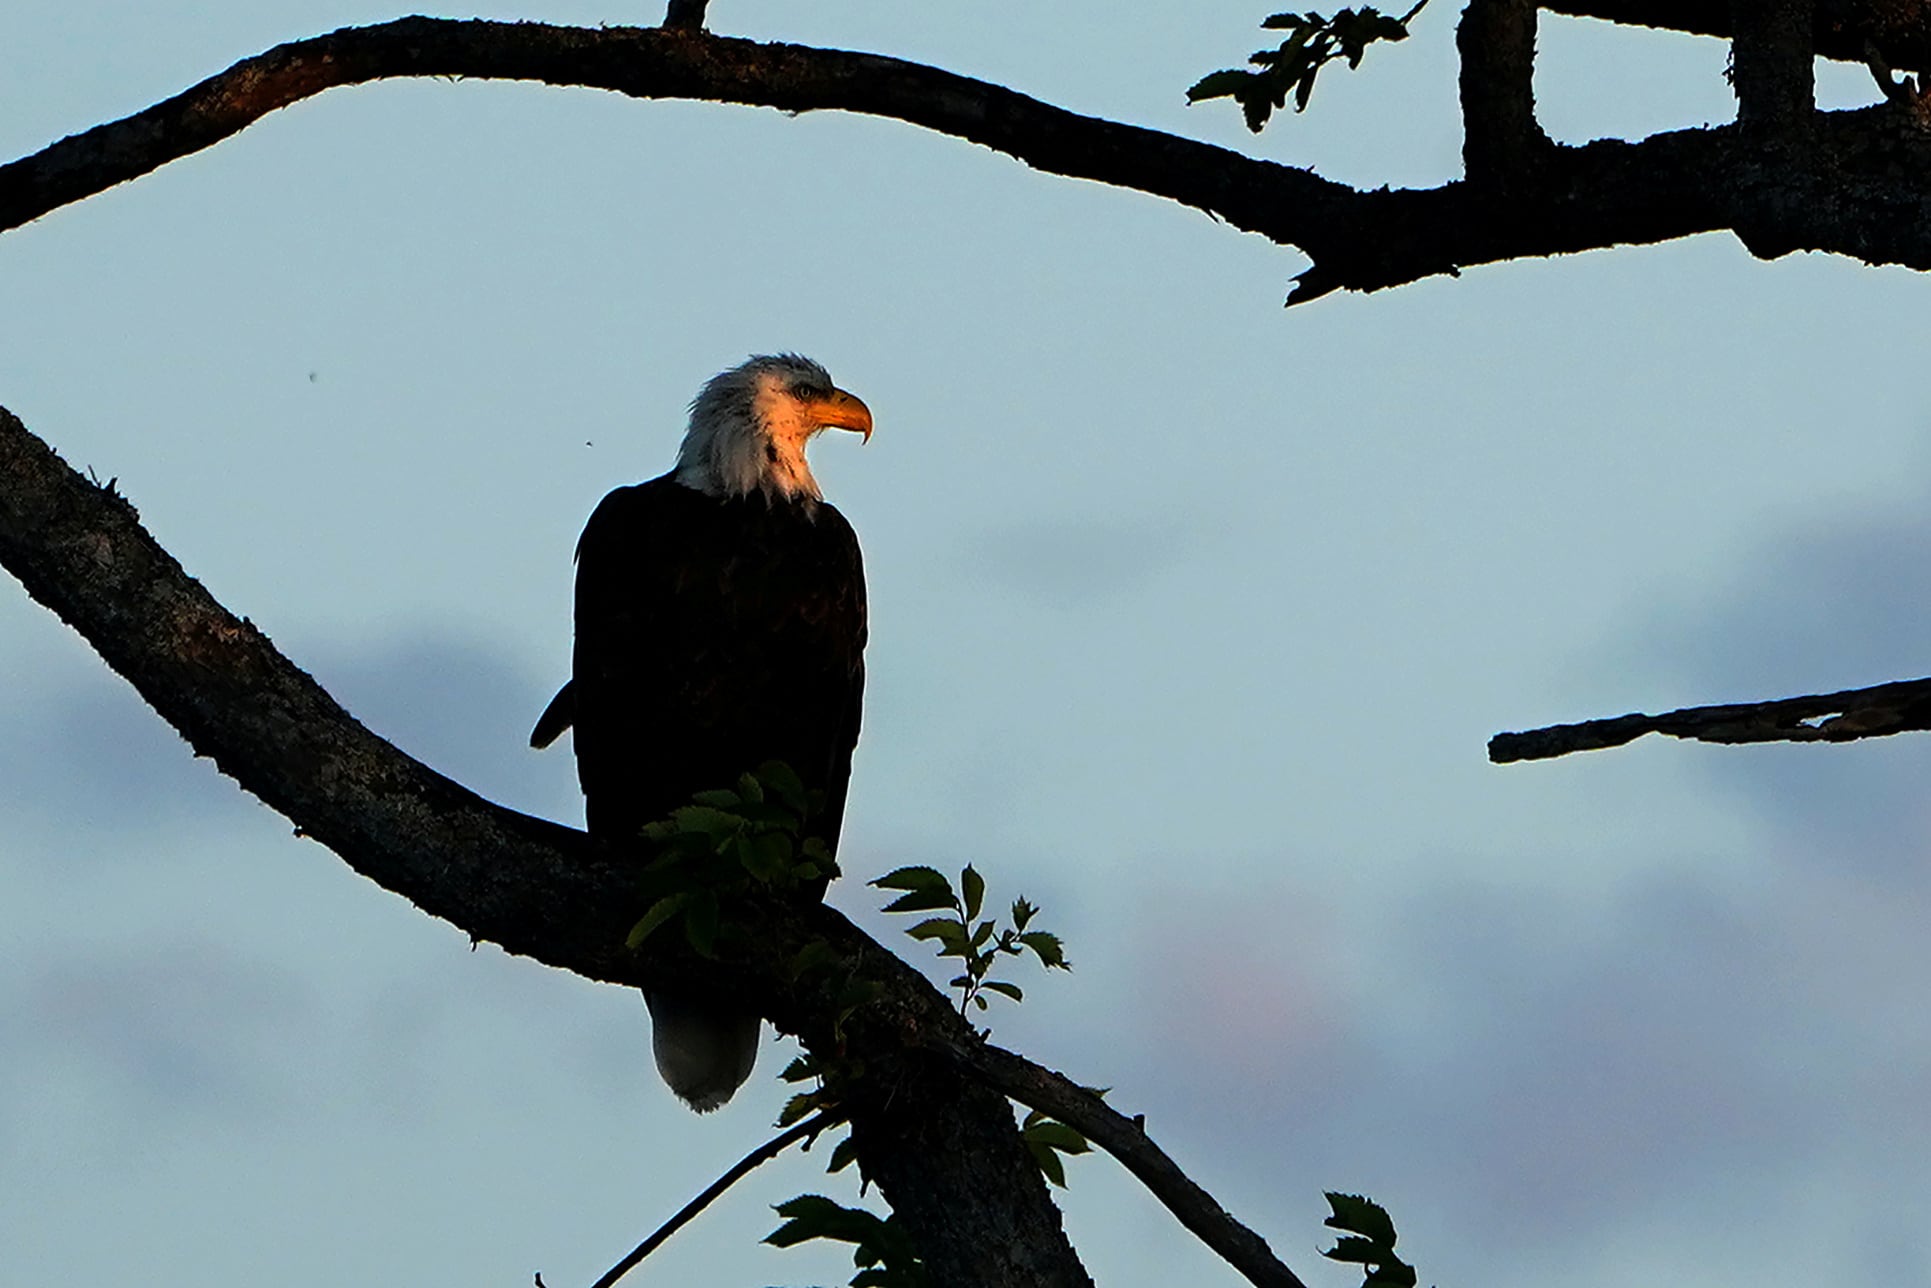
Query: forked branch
point(1874, 168)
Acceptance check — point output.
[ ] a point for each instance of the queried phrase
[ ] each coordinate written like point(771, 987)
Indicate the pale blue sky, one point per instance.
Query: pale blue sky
point(1192, 617)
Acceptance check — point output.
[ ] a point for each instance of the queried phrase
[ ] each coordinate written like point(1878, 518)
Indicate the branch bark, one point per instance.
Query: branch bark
point(1500, 137)
point(685, 15)
point(1899, 707)
point(931, 1123)
point(1868, 181)
point(1841, 30)
point(1773, 68)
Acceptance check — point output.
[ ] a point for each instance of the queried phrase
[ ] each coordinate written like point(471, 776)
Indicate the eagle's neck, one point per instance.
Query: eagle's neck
point(755, 443)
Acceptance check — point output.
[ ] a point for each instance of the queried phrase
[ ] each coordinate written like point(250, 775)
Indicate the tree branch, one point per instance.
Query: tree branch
point(932, 1128)
point(685, 15)
point(1842, 30)
point(945, 1151)
point(1899, 707)
point(1772, 68)
point(1869, 187)
point(1500, 137)
point(743, 1167)
point(1126, 1140)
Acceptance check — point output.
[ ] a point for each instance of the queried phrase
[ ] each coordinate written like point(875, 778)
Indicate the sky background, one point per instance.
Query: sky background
point(1191, 619)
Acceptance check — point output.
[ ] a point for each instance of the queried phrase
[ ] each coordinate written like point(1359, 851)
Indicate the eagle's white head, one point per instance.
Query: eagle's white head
point(749, 427)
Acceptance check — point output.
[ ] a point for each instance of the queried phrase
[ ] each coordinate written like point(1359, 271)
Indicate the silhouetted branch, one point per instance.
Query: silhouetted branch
point(1500, 137)
point(685, 15)
point(1867, 192)
point(1900, 30)
point(1772, 67)
point(1898, 707)
point(743, 1167)
point(980, 1217)
point(1126, 1139)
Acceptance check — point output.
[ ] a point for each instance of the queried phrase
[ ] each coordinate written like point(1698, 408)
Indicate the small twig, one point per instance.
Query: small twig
point(756, 1158)
point(1898, 707)
point(1126, 1139)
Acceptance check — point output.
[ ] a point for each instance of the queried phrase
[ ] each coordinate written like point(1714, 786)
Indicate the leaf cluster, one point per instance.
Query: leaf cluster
point(1048, 1138)
point(1312, 43)
point(728, 842)
point(1368, 1241)
point(881, 1251)
point(962, 933)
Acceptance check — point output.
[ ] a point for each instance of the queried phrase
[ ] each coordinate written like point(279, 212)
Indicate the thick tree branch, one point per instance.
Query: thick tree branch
point(932, 1127)
point(1500, 137)
point(1867, 192)
point(944, 1150)
point(1898, 707)
point(1772, 68)
point(1842, 30)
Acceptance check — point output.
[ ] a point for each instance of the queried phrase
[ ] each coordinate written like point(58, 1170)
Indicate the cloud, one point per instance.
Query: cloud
point(1554, 1073)
point(186, 1024)
point(1077, 561)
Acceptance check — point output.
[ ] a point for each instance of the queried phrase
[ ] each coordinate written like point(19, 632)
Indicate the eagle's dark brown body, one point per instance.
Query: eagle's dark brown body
point(713, 634)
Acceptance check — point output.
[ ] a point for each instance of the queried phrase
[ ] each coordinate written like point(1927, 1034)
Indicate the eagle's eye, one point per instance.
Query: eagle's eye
point(807, 392)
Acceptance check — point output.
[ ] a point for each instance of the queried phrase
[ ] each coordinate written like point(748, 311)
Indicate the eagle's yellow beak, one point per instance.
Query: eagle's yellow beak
point(840, 410)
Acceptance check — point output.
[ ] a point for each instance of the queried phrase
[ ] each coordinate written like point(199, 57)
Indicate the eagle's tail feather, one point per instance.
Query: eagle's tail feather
point(704, 1051)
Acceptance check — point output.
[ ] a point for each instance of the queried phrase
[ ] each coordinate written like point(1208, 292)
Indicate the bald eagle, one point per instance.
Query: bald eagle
point(720, 624)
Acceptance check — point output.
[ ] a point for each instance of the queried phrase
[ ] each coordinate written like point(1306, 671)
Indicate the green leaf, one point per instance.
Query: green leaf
point(815, 956)
point(1001, 986)
point(798, 1108)
point(1022, 912)
point(973, 887)
point(1221, 84)
point(916, 877)
point(721, 798)
point(1048, 1163)
point(857, 993)
point(715, 824)
point(658, 913)
point(813, 1216)
point(1059, 1136)
point(700, 923)
point(921, 901)
point(766, 856)
point(949, 933)
point(801, 1068)
point(1359, 1214)
point(814, 848)
point(981, 933)
point(749, 788)
point(843, 1155)
point(1352, 1247)
point(783, 782)
point(1047, 948)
